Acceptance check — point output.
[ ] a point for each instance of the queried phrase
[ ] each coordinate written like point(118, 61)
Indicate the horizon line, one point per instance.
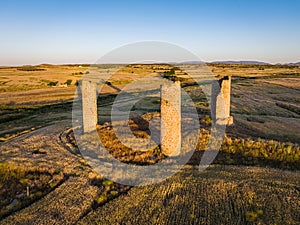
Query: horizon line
point(249, 62)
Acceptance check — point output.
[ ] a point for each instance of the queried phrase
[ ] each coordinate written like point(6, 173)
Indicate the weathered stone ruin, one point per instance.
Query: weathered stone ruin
point(170, 139)
point(170, 112)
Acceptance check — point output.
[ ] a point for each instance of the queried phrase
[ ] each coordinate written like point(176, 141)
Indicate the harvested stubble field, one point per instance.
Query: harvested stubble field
point(253, 180)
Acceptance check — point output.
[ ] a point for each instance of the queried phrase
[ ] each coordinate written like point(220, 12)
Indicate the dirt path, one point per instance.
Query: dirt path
point(47, 140)
point(68, 202)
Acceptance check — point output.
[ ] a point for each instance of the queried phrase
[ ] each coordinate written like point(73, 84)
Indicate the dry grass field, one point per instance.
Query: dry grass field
point(45, 180)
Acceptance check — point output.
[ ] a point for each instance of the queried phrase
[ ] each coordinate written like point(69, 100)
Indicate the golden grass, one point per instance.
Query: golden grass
point(219, 195)
point(21, 185)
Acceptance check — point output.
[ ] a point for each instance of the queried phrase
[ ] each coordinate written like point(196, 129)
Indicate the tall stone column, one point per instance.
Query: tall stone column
point(220, 105)
point(226, 91)
point(89, 105)
point(170, 110)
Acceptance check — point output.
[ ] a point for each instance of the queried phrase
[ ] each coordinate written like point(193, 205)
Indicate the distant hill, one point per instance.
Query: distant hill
point(228, 62)
point(293, 64)
point(222, 62)
point(241, 62)
point(188, 62)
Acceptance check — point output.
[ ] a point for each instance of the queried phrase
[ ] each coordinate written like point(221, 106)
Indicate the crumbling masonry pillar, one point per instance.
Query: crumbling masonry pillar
point(220, 104)
point(89, 105)
point(170, 110)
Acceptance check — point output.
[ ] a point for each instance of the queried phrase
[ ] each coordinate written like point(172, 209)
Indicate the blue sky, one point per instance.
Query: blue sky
point(34, 32)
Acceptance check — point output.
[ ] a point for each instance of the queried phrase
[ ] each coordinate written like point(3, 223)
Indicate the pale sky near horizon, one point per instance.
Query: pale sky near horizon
point(57, 32)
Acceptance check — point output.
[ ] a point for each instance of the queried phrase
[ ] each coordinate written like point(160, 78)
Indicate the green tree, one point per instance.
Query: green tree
point(68, 82)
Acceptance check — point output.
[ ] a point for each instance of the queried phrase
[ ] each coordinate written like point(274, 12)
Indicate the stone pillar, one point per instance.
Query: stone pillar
point(89, 105)
point(170, 109)
point(220, 105)
point(225, 87)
